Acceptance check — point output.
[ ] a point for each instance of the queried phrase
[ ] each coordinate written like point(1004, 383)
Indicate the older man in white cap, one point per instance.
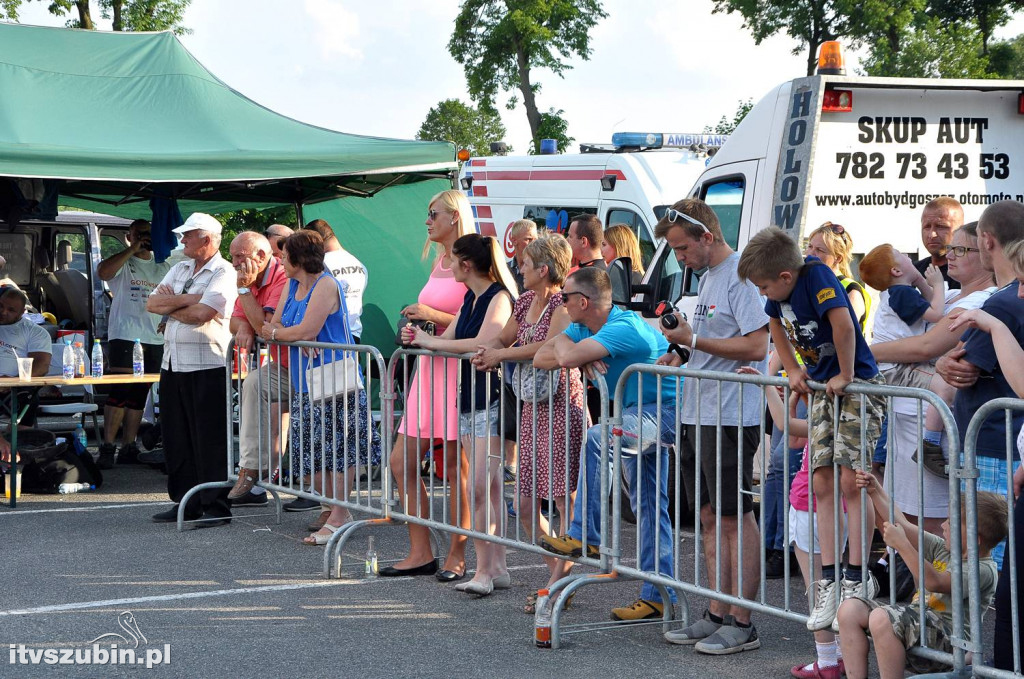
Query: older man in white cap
point(197, 296)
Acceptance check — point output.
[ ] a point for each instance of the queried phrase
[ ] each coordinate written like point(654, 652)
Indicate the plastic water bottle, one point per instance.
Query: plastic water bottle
point(542, 619)
point(97, 359)
point(79, 360)
point(370, 570)
point(138, 360)
point(79, 439)
point(68, 488)
point(68, 360)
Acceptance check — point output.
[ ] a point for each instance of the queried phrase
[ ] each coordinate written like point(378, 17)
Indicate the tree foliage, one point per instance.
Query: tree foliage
point(933, 49)
point(253, 220)
point(727, 126)
point(553, 126)
point(470, 128)
point(500, 42)
point(1006, 58)
point(987, 15)
point(125, 15)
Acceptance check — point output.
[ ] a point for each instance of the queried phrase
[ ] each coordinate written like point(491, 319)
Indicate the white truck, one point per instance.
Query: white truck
point(632, 181)
point(867, 153)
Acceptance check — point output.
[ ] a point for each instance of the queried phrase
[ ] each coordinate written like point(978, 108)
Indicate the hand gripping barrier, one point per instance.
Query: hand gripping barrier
point(1008, 594)
point(748, 589)
point(459, 491)
point(327, 429)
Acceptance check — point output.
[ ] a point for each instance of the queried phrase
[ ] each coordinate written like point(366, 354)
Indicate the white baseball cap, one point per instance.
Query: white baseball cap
point(199, 221)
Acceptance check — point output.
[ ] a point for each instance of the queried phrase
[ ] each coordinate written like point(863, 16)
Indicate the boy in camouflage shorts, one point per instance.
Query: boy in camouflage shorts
point(812, 316)
point(895, 629)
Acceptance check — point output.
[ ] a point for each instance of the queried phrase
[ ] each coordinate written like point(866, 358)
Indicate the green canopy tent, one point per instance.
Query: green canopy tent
point(125, 117)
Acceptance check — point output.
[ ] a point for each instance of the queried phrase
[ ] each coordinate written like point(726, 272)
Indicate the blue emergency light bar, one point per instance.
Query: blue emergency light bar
point(655, 140)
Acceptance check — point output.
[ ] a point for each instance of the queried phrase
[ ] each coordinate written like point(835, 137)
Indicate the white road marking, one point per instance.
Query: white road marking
point(20, 512)
point(180, 596)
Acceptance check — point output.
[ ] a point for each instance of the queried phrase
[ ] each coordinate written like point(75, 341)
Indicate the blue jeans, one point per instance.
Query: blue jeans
point(652, 516)
point(776, 513)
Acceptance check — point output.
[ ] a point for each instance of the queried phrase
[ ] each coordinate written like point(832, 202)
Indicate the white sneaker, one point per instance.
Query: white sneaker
point(826, 602)
point(850, 589)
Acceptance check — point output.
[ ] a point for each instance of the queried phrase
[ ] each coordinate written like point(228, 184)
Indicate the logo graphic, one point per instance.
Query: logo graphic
point(131, 637)
point(825, 294)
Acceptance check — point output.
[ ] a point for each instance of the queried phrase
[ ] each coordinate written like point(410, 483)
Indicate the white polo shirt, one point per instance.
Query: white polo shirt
point(187, 347)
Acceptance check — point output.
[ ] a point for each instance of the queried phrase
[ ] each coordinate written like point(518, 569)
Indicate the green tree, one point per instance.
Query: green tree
point(553, 126)
point(932, 48)
point(253, 220)
point(500, 42)
point(1006, 58)
point(726, 126)
point(125, 15)
point(470, 128)
point(987, 15)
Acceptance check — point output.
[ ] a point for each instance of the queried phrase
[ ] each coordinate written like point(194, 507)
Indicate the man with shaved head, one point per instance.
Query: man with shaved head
point(260, 279)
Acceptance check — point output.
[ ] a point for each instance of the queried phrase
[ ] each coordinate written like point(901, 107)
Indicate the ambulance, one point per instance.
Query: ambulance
point(632, 182)
point(867, 153)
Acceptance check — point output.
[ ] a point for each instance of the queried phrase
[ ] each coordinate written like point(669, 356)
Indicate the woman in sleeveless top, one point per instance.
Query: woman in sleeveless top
point(331, 436)
point(485, 310)
point(428, 415)
point(549, 461)
point(832, 244)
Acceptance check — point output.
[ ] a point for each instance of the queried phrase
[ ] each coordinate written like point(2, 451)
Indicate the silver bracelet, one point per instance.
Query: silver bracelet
point(273, 334)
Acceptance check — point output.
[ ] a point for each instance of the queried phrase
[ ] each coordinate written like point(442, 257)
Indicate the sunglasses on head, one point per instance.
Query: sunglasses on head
point(672, 215)
point(837, 229)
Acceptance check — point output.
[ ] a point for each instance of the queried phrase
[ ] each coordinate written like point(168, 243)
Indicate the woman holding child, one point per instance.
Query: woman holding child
point(976, 286)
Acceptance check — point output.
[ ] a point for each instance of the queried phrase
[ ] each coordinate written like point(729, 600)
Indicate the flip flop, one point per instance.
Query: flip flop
point(319, 540)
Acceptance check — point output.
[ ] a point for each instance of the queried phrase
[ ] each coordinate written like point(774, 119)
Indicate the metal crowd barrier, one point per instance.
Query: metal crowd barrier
point(1010, 566)
point(687, 578)
point(443, 507)
point(269, 384)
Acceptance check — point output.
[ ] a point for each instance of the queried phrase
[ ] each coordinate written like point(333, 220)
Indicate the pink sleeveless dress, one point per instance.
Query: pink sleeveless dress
point(431, 405)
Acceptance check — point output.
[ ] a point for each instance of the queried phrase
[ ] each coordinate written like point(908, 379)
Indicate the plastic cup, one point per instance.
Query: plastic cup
point(7, 485)
point(24, 369)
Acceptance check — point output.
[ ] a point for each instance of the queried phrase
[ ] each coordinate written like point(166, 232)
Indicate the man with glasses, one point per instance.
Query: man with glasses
point(939, 220)
point(133, 274)
point(605, 339)
point(276, 233)
point(729, 331)
point(197, 296)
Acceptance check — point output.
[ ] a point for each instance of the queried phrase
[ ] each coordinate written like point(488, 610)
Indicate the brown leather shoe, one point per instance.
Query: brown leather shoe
point(318, 523)
point(246, 480)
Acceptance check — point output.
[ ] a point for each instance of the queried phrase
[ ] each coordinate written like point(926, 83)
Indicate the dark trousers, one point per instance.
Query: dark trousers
point(193, 411)
point(1003, 656)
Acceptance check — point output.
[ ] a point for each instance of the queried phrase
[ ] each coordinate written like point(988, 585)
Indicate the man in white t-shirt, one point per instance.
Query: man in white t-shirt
point(132, 275)
point(344, 266)
point(20, 336)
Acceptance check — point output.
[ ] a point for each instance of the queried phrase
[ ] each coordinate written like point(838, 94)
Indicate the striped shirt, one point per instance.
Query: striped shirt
point(188, 347)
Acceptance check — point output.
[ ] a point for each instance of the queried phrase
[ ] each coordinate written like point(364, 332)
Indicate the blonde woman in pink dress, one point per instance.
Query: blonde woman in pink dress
point(431, 411)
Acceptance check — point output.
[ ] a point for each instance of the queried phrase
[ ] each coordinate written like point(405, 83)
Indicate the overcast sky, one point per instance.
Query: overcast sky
point(377, 67)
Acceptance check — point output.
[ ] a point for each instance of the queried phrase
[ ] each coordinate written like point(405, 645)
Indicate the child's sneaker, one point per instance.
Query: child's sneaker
point(851, 588)
point(825, 595)
point(934, 460)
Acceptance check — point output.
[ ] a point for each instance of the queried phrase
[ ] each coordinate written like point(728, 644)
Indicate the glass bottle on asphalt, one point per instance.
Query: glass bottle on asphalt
point(138, 360)
point(370, 570)
point(97, 358)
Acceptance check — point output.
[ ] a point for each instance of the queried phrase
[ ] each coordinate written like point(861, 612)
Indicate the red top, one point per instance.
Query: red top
point(267, 292)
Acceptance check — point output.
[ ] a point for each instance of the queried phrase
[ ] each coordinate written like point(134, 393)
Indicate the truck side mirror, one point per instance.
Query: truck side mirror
point(620, 271)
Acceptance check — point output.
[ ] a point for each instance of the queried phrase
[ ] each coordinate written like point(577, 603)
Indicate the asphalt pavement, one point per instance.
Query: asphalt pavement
point(249, 599)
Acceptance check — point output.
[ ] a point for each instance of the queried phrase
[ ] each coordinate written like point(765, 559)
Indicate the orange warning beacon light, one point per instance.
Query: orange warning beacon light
point(830, 59)
point(463, 155)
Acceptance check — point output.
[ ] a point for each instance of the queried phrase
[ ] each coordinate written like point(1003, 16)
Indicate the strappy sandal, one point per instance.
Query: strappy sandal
point(318, 539)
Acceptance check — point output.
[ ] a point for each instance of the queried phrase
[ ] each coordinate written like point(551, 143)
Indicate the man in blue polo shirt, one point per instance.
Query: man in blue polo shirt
point(606, 339)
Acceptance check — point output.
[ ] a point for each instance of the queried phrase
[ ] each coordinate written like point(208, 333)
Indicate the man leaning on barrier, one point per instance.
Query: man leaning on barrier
point(606, 339)
point(729, 331)
point(260, 277)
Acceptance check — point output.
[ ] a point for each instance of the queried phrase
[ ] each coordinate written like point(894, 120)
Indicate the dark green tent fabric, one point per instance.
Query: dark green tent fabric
point(125, 116)
point(387, 236)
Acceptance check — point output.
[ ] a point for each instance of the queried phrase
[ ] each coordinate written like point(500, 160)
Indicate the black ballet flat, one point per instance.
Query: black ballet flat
point(428, 568)
point(446, 575)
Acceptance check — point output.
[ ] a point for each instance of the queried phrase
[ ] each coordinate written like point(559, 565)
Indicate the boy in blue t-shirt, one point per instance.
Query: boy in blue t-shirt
point(811, 314)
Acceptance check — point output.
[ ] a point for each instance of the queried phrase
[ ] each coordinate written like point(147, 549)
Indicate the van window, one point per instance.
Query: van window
point(636, 223)
point(79, 251)
point(17, 249)
point(111, 244)
point(553, 217)
point(726, 199)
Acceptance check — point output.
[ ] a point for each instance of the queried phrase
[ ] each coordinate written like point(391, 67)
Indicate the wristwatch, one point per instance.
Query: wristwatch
point(243, 291)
